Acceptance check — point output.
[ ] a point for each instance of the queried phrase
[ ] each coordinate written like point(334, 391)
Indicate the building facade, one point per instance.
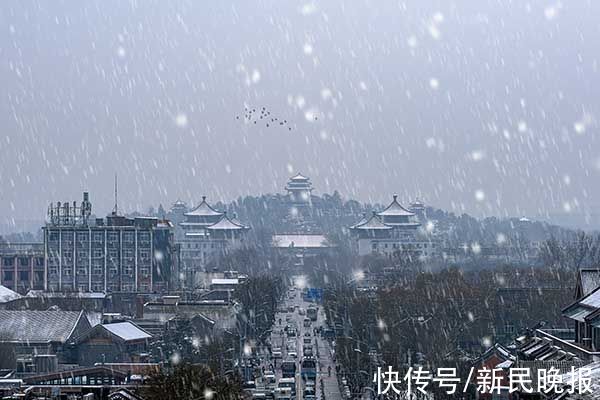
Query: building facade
point(22, 266)
point(392, 230)
point(207, 233)
point(115, 254)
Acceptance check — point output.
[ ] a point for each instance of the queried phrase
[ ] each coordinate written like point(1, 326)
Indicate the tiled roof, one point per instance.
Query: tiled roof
point(203, 209)
point(372, 223)
point(38, 326)
point(226, 224)
point(395, 209)
point(298, 177)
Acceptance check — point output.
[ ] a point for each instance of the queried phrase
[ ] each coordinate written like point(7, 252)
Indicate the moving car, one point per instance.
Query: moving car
point(270, 377)
point(288, 383)
point(307, 351)
point(308, 368)
point(312, 313)
point(283, 393)
point(288, 369)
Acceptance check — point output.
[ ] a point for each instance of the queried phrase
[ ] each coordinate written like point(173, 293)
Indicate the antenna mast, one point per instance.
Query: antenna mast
point(116, 208)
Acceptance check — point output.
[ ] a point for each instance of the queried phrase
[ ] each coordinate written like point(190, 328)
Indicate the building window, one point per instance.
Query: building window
point(374, 246)
point(113, 236)
point(38, 276)
point(8, 276)
point(98, 253)
point(128, 287)
point(145, 271)
point(128, 270)
point(113, 269)
point(128, 253)
point(144, 237)
point(509, 329)
point(128, 237)
point(67, 271)
point(23, 261)
point(39, 261)
point(52, 270)
point(97, 267)
point(82, 287)
point(98, 237)
point(144, 287)
point(97, 287)
point(7, 261)
point(24, 276)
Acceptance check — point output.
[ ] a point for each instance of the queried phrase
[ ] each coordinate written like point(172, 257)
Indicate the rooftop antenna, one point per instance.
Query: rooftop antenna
point(116, 208)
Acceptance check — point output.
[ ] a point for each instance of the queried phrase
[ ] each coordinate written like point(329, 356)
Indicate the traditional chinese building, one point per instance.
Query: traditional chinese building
point(299, 190)
point(395, 229)
point(207, 233)
point(418, 208)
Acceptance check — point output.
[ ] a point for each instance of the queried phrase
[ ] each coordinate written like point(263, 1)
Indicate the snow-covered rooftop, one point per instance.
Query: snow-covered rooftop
point(396, 209)
point(226, 224)
point(372, 223)
point(38, 326)
point(127, 331)
point(203, 209)
point(7, 295)
point(225, 281)
point(303, 241)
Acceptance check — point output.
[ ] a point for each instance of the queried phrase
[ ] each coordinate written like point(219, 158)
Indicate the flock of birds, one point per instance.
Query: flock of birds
point(262, 115)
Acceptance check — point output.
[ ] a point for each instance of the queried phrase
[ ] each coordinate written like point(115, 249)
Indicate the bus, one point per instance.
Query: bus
point(311, 313)
point(288, 369)
point(308, 368)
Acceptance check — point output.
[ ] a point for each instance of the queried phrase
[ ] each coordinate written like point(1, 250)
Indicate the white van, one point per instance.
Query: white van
point(288, 383)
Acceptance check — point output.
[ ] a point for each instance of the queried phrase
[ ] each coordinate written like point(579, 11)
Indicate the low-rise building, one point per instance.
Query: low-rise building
point(223, 313)
point(26, 335)
point(121, 342)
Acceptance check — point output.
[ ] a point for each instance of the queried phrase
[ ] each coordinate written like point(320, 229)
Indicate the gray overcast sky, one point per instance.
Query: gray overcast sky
point(487, 107)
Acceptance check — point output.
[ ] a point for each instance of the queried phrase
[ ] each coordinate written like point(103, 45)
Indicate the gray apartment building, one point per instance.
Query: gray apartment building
point(114, 254)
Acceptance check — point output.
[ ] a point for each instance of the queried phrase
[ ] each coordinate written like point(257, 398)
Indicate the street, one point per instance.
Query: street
point(295, 337)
